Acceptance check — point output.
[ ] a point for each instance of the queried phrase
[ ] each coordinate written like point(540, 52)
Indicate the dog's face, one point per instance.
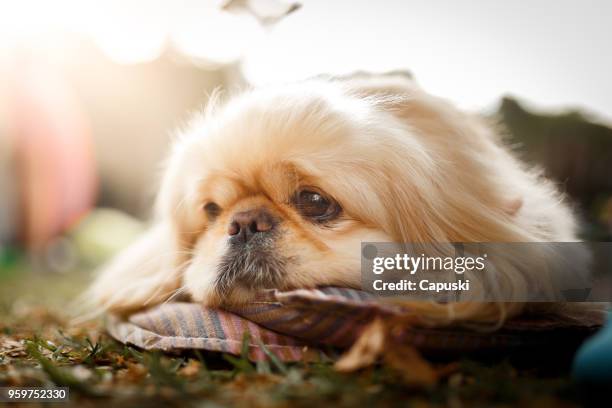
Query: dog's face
point(279, 188)
point(276, 193)
point(288, 229)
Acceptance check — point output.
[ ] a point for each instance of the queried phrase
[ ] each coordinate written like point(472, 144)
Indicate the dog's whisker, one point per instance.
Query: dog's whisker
point(178, 292)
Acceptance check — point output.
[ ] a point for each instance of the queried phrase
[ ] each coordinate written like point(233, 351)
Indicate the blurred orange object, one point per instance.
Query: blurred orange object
point(56, 173)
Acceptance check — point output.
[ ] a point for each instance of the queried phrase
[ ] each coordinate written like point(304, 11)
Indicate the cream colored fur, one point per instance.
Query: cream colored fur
point(405, 166)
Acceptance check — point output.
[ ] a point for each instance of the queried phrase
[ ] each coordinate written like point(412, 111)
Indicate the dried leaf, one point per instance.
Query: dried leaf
point(366, 349)
point(191, 369)
point(11, 348)
point(120, 360)
point(380, 339)
point(408, 363)
point(134, 373)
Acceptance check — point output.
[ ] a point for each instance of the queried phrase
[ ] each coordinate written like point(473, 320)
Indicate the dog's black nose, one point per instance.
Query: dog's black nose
point(244, 225)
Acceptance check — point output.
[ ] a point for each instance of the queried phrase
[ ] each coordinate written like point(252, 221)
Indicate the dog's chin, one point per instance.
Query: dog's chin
point(247, 269)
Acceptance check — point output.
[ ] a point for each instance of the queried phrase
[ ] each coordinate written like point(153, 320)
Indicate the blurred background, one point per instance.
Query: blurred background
point(91, 93)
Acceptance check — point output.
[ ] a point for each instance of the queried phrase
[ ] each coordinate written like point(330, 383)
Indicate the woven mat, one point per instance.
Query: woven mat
point(293, 325)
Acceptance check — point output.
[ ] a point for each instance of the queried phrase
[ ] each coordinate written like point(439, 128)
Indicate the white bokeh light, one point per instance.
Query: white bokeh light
point(208, 34)
point(130, 32)
point(554, 54)
point(551, 53)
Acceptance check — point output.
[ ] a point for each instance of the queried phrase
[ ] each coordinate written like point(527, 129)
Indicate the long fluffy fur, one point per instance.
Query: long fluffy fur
point(406, 167)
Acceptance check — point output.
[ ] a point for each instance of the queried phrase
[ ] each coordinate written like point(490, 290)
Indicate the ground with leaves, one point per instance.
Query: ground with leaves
point(39, 348)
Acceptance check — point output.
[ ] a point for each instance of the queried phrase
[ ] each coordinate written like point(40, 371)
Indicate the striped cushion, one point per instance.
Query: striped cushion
point(290, 323)
point(176, 326)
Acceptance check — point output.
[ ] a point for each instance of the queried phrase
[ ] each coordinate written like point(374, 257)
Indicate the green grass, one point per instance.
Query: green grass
point(39, 348)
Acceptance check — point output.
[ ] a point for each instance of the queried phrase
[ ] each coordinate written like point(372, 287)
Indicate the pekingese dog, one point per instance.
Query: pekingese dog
point(278, 187)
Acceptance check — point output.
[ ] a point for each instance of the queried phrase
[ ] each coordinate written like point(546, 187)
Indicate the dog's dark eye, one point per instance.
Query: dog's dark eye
point(316, 206)
point(212, 210)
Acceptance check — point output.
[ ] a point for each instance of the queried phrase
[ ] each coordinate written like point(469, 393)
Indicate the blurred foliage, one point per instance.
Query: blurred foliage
point(103, 233)
point(575, 151)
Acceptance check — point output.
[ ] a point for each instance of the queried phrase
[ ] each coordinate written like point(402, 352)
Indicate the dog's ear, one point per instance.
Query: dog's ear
point(146, 273)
